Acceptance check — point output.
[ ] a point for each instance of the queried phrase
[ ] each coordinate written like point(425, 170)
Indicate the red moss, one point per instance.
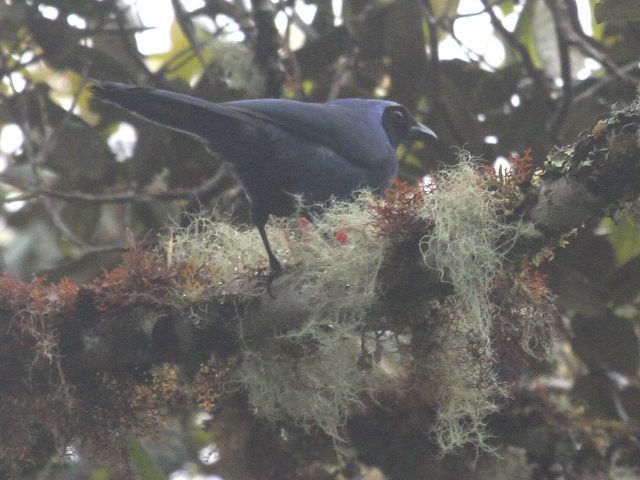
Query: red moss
point(148, 278)
point(523, 167)
point(396, 215)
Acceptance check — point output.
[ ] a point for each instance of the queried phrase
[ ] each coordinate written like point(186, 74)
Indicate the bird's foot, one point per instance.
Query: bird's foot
point(271, 276)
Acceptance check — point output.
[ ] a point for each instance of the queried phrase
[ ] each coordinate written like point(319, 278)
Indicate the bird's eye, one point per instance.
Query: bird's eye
point(397, 122)
point(398, 117)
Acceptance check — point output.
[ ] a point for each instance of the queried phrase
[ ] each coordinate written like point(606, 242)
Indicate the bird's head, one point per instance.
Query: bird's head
point(401, 126)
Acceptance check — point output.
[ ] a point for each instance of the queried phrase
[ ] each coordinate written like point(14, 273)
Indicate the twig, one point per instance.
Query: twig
point(266, 47)
point(562, 29)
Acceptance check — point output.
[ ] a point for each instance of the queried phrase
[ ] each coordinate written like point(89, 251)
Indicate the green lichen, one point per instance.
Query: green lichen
point(468, 244)
point(308, 373)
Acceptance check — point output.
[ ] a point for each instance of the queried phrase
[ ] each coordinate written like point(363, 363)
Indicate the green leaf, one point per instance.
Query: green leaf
point(524, 31)
point(616, 10)
point(99, 474)
point(625, 239)
point(146, 467)
point(598, 28)
point(506, 8)
point(81, 218)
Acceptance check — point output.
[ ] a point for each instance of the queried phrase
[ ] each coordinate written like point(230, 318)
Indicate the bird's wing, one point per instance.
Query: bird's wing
point(356, 135)
point(353, 132)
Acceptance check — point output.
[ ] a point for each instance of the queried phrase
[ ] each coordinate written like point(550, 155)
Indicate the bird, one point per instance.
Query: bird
point(282, 149)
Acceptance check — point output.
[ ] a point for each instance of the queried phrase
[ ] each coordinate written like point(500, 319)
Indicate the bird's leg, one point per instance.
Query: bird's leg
point(274, 263)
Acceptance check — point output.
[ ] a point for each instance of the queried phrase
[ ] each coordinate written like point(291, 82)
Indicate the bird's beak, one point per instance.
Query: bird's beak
point(419, 131)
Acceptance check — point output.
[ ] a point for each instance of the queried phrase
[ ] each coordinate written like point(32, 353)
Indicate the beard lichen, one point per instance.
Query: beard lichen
point(468, 246)
point(308, 372)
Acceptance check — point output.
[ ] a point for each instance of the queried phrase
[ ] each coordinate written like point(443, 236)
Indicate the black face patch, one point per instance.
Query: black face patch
point(397, 122)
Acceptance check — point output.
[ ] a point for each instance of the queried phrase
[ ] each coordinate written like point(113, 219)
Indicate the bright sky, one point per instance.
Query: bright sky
point(159, 14)
point(473, 30)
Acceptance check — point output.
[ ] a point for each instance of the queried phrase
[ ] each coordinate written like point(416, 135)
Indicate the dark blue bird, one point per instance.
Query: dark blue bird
point(282, 148)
